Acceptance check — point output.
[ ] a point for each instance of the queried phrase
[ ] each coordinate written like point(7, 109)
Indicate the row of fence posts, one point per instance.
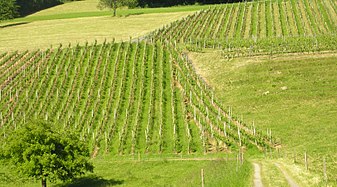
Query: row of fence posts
point(297, 160)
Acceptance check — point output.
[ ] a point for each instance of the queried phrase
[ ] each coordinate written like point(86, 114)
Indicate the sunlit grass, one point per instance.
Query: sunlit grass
point(293, 95)
point(158, 172)
point(42, 34)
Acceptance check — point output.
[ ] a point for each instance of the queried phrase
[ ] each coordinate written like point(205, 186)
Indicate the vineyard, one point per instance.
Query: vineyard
point(145, 98)
point(124, 98)
point(258, 27)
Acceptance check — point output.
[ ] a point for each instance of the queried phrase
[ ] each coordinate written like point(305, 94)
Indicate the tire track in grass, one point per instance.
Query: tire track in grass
point(290, 181)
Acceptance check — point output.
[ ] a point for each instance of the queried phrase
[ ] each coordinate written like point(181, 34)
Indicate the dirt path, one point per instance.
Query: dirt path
point(290, 181)
point(257, 175)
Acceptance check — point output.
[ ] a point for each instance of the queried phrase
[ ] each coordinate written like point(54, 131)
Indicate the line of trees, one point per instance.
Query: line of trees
point(29, 6)
point(10, 9)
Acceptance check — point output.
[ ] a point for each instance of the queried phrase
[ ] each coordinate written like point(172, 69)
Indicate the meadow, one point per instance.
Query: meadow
point(44, 34)
point(118, 172)
point(81, 22)
point(294, 95)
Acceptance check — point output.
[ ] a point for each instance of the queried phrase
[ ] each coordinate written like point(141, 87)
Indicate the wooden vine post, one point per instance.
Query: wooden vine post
point(306, 161)
point(324, 170)
point(202, 178)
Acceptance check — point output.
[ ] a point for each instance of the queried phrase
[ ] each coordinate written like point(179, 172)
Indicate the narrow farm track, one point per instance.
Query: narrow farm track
point(290, 181)
point(257, 175)
point(278, 177)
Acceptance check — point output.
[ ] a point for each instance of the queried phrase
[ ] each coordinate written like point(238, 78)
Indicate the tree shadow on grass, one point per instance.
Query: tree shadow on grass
point(13, 24)
point(91, 181)
point(134, 14)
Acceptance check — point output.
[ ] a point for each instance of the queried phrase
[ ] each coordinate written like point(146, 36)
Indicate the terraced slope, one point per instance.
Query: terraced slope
point(265, 26)
point(124, 98)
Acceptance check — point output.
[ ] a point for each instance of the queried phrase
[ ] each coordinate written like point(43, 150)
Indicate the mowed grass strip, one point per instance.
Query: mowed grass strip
point(42, 34)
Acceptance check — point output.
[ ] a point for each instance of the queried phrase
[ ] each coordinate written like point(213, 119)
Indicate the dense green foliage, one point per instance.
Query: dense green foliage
point(112, 4)
point(8, 9)
point(39, 151)
point(29, 6)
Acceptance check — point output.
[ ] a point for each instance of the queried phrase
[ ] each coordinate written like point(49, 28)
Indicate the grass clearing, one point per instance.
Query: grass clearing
point(42, 34)
point(293, 95)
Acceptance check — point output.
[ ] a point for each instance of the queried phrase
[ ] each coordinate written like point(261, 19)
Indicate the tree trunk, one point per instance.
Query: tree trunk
point(44, 182)
point(115, 7)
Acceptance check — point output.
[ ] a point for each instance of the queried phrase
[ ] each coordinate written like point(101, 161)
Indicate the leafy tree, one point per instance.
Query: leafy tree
point(114, 4)
point(8, 9)
point(38, 151)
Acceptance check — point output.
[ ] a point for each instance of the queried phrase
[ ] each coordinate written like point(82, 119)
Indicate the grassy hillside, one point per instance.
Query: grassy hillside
point(244, 54)
point(132, 101)
point(42, 34)
point(145, 99)
point(294, 95)
point(127, 99)
point(124, 98)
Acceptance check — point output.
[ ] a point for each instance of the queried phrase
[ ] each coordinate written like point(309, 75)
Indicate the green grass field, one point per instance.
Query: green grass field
point(43, 34)
point(294, 95)
point(158, 172)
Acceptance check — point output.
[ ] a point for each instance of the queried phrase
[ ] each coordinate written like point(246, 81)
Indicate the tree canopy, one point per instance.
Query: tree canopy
point(8, 9)
point(39, 151)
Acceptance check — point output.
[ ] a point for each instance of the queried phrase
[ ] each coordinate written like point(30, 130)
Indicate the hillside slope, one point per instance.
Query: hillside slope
point(124, 98)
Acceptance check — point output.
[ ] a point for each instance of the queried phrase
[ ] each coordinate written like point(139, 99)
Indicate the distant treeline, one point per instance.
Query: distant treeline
point(29, 6)
point(15, 8)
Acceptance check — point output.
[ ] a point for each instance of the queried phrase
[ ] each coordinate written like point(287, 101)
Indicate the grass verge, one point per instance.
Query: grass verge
point(160, 172)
